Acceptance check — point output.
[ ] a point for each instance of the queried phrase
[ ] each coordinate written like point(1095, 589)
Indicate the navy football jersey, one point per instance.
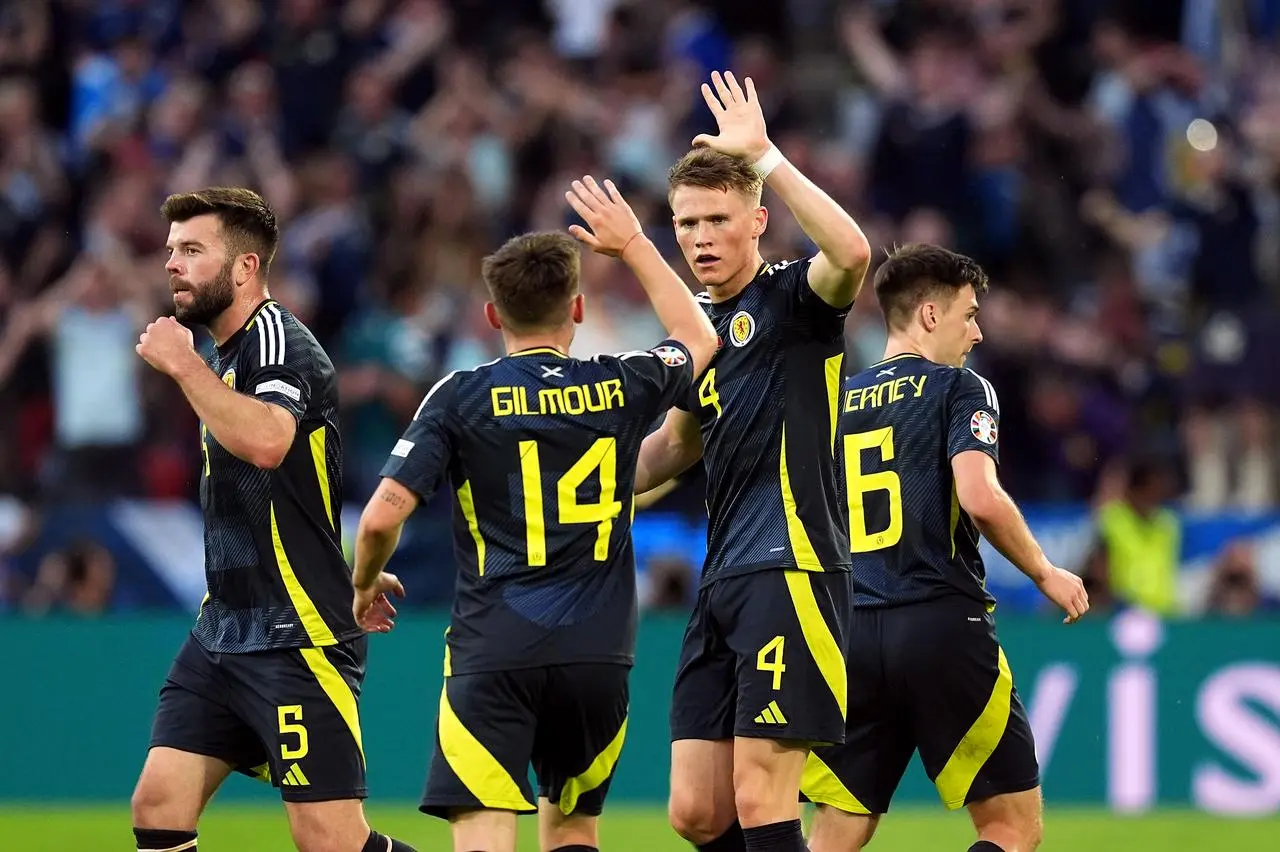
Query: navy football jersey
point(766, 407)
point(539, 452)
point(272, 538)
point(901, 423)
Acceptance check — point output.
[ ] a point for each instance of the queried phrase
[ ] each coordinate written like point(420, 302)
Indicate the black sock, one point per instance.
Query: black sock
point(775, 837)
point(985, 846)
point(163, 840)
point(577, 848)
point(731, 841)
point(378, 843)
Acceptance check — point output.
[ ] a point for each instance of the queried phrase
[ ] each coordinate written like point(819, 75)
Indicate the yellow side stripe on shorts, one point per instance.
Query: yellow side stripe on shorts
point(337, 690)
point(597, 773)
point(822, 787)
point(475, 767)
point(817, 635)
point(977, 746)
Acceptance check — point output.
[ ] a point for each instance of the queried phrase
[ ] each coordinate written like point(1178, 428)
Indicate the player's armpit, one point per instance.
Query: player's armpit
point(669, 451)
point(836, 285)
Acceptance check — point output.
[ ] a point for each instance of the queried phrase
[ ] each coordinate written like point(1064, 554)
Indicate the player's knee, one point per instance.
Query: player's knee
point(327, 829)
point(156, 805)
point(834, 830)
point(1033, 832)
point(695, 819)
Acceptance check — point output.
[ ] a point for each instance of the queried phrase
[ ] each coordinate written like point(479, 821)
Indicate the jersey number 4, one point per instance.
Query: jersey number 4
point(861, 484)
point(602, 457)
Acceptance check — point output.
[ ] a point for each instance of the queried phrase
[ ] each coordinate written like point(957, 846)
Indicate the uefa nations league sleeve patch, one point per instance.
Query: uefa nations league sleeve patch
point(983, 426)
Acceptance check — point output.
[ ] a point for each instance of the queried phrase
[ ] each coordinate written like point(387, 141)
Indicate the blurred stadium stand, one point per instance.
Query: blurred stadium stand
point(1114, 163)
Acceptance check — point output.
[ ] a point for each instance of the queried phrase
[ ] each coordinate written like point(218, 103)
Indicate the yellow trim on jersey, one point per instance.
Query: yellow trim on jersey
point(818, 636)
point(538, 350)
point(312, 622)
point(833, 366)
point(321, 462)
point(338, 690)
point(468, 506)
point(477, 769)
point(955, 517)
point(448, 657)
point(802, 551)
point(596, 774)
point(977, 746)
point(823, 787)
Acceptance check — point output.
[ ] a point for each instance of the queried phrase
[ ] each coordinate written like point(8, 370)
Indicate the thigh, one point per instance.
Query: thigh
point(303, 705)
point(967, 721)
point(786, 631)
point(705, 692)
point(484, 741)
point(582, 724)
point(195, 716)
point(860, 775)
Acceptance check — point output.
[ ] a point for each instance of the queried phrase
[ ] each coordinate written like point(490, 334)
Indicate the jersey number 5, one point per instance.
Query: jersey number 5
point(602, 456)
point(861, 484)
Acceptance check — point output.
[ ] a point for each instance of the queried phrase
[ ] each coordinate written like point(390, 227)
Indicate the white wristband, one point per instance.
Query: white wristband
point(767, 163)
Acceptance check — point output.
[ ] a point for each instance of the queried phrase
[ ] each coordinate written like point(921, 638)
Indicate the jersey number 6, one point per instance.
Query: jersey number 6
point(602, 456)
point(861, 484)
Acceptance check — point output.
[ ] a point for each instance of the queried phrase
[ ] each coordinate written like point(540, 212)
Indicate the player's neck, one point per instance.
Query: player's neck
point(558, 341)
point(899, 345)
point(227, 323)
point(735, 285)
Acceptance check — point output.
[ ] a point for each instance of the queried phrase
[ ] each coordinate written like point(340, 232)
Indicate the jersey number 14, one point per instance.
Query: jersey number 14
point(602, 456)
point(861, 484)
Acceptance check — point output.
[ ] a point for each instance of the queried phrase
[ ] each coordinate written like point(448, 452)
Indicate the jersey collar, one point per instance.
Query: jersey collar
point(234, 339)
point(538, 350)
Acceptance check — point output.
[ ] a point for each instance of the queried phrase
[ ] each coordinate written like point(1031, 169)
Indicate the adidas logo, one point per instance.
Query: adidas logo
point(294, 777)
point(771, 715)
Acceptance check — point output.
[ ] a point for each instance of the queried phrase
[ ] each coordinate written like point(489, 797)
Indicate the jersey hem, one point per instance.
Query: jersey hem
point(256, 648)
point(838, 568)
point(628, 661)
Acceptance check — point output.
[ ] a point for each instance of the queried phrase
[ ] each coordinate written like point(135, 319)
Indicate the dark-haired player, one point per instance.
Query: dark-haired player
point(538, 450)
point(918, 442)
point(269, 680)
point(761, 676)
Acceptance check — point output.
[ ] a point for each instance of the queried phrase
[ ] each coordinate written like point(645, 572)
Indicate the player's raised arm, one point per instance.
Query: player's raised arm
point(250, 429)
point(671, 450)
point(615, 231)
point(836, 272)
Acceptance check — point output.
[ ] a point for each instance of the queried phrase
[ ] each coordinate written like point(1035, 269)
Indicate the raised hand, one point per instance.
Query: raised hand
point(613, 223)
point(738, 116)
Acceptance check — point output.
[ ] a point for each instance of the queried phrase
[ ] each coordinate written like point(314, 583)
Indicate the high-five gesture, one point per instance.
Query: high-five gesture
point(738, 116)
point(612, 221)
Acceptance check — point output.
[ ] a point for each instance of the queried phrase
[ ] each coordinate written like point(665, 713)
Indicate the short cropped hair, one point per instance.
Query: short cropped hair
point(532, 279)
point(710, 169)
point(248, 222)
point(914, 273)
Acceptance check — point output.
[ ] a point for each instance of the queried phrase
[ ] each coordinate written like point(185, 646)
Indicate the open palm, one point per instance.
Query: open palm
point(738, 117)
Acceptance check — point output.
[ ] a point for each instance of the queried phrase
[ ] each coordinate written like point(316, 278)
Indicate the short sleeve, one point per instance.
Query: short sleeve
point(656, 378)
point(278, 361)
point(820, 321)
point(420, 459)
point(973, 416)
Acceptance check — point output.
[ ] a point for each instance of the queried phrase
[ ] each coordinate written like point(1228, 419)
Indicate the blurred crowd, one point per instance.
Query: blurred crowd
point(1115, 164)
